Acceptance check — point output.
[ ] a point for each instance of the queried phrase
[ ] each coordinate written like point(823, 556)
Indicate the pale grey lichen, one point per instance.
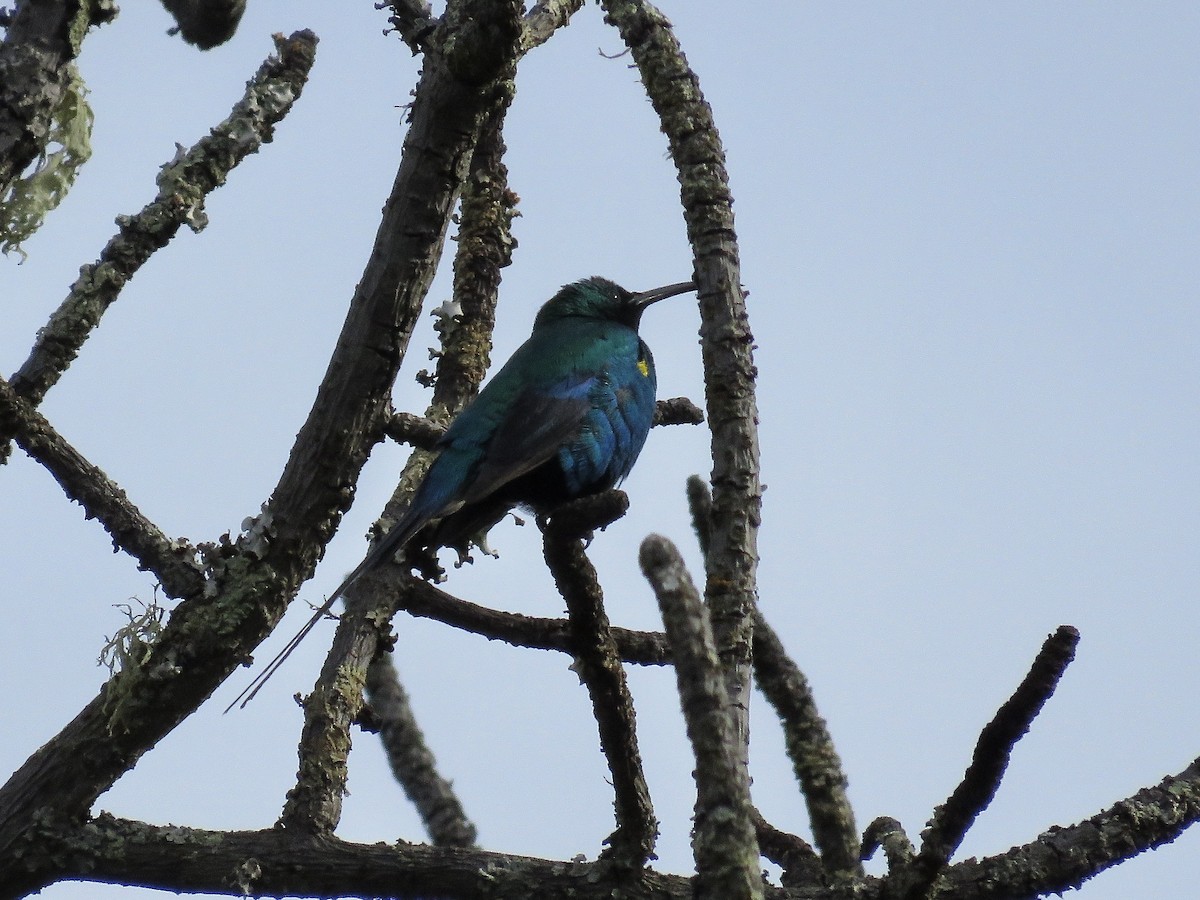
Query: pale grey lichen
point(24, 207)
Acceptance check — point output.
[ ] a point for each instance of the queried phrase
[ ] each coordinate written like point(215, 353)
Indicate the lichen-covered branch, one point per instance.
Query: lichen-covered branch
point(799, 861)
point(545, 18)
point(171, 561)
point(183, 185)
point(276, 862)
point(725, 339)
point(723, 839)
point(809, 744)
point(598, 666)
point(41, 42)
point(810, 747)
point(412, 761)
point(1064, 857)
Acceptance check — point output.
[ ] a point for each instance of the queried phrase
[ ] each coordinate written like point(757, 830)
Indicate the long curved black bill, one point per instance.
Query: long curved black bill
point(645, 298)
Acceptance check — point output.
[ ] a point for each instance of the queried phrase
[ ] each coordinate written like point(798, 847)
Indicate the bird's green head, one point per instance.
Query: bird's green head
point(599, 298)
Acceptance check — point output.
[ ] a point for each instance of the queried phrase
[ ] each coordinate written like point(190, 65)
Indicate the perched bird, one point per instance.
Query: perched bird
point(565, 417)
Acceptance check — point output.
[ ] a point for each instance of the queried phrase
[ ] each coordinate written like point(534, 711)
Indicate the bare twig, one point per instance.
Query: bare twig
point(725, 339)
point(171, 561)
point(887, 833)
point(952, 819)
point(206, 23)
point(677, 411)
point(599, 668)
point(412, 761)
point(421, 432)
point(723, 840)
point(419, 598)
point(409, 428)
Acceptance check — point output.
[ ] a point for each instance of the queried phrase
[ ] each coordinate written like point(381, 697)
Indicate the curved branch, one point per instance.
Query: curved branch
point(810, 747)
point(725, 339)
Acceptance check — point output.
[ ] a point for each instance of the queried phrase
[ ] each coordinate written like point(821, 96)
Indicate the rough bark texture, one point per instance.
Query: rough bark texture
point(43, 38)
point(233, 591)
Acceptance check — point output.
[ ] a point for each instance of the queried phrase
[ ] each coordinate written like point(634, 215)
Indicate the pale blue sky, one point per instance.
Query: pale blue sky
point(970, 235)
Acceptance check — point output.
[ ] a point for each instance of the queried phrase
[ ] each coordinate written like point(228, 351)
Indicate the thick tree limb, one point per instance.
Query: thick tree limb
point(598, 666)
point(457, 94)
point(725, 338)
point(278, 863)
point(723, 839)
point(412, 761)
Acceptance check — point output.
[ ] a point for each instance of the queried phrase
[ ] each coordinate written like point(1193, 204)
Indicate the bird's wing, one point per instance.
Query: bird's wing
point(534, 428)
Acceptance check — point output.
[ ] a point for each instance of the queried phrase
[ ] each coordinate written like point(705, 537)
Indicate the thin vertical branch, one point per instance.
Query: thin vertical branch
point(485, 244)
point(598, 665)
point(723, 839)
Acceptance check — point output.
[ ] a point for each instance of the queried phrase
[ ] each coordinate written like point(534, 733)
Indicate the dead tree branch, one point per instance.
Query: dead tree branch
point(725, 338)
point(598, 666)
point(723, 839)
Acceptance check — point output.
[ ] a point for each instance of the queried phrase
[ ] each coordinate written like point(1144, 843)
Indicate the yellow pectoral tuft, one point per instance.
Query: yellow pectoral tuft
point(644, 368)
